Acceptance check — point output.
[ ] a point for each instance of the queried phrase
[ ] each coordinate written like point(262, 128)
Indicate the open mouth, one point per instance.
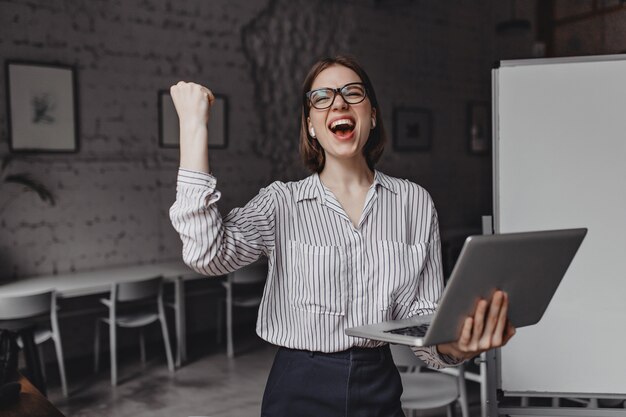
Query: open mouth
point(342, 127)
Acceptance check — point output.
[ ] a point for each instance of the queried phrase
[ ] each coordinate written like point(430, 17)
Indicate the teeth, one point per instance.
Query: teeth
point(341, 122)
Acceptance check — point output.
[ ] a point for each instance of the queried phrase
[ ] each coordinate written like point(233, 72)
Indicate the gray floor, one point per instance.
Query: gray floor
point(209, 385)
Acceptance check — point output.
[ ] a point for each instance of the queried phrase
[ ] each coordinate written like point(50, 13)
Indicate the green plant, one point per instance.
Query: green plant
point(24, 179)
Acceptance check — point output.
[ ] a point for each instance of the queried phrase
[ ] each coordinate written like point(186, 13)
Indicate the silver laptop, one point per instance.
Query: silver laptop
point(528, 266)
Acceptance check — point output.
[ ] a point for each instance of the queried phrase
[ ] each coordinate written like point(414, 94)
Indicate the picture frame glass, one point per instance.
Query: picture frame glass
point(479, 127)
point(41, 107)
point(412, 129)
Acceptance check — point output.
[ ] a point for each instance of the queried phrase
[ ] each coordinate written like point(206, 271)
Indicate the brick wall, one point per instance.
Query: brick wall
point(113, 195)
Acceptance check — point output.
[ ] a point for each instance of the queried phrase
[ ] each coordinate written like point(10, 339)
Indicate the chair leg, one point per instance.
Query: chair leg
point(142, 348)
point(113, 349)
point(450, 410)
point(462, 400)
point(42, 362)
point(219, 317)
point(166, 339)
point(96, 361)
point(58, 347)
point(180, 321)
point(230, 349)
point(59, 350)
point(31, 356)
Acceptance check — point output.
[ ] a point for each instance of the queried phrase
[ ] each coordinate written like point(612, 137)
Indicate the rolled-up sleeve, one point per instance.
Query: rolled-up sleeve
point(213, 245)
point(431, 356)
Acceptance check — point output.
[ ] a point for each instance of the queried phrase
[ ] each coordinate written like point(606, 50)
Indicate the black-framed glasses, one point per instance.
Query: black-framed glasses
point(323, 98)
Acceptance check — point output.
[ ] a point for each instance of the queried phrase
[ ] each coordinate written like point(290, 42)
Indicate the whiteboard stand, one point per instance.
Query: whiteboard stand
point(488, 360)
point(490, 364)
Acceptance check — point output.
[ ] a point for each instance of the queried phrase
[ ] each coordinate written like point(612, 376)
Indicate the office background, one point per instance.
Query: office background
point(113, 194)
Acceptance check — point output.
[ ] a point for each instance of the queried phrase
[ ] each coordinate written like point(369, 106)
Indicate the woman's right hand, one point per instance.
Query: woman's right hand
point(193, 103)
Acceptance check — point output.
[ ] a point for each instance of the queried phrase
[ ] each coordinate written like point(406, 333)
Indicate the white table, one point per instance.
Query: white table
point(78, 284)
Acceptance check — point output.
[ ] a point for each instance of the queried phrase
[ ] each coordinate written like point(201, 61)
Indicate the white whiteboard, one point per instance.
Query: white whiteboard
point(560, 162)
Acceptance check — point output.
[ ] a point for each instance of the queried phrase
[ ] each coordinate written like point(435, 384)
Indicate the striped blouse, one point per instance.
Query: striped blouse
point(325, 274)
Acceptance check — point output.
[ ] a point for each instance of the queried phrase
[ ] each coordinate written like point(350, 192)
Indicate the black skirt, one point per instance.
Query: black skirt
point(358, 382)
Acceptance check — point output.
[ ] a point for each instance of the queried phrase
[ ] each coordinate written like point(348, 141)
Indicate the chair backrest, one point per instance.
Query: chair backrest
point(137, 290)
point(250, 274)
point(25, 306)
point(404, 356)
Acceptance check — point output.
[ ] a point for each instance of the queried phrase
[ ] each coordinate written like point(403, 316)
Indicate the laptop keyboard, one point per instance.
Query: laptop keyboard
point(415, 331)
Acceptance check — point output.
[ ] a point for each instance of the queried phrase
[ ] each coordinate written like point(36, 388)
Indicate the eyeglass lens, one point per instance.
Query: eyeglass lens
point(323, 98)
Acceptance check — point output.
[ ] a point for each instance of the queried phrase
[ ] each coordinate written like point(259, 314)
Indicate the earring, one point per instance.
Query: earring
point(312, 131)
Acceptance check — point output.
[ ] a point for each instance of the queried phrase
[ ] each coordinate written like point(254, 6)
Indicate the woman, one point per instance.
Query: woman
point(346, 246)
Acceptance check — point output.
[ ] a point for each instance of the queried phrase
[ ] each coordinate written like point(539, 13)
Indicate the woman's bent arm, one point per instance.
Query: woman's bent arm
point(213, 245)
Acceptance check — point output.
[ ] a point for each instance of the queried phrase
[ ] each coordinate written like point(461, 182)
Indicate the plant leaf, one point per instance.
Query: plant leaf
point(27, 181)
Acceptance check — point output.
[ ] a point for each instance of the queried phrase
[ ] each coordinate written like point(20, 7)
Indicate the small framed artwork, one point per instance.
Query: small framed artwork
point(41, 107)
point(169, 128)
point(412, 129)
point(479, 127)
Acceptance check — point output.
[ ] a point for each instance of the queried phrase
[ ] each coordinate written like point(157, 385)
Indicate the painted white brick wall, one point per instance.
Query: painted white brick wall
point(114, 194)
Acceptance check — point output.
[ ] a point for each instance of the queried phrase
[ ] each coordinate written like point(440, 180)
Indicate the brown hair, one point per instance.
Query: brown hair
point(310, 150)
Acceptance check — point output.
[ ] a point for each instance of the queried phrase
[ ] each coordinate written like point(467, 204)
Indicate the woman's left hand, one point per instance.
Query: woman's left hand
point(489, 328)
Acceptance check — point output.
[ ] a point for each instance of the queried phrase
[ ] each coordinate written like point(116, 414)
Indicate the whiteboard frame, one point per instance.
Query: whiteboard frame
point(494, 110)
point(496, 383)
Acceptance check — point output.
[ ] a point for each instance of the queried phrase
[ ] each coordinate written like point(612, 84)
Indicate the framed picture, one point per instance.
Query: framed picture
point(412, 129)
point(169, 128)
point(479, 127)
point(41, 107)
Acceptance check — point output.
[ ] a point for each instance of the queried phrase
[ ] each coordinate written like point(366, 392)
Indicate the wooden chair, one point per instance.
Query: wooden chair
point(31, 402)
